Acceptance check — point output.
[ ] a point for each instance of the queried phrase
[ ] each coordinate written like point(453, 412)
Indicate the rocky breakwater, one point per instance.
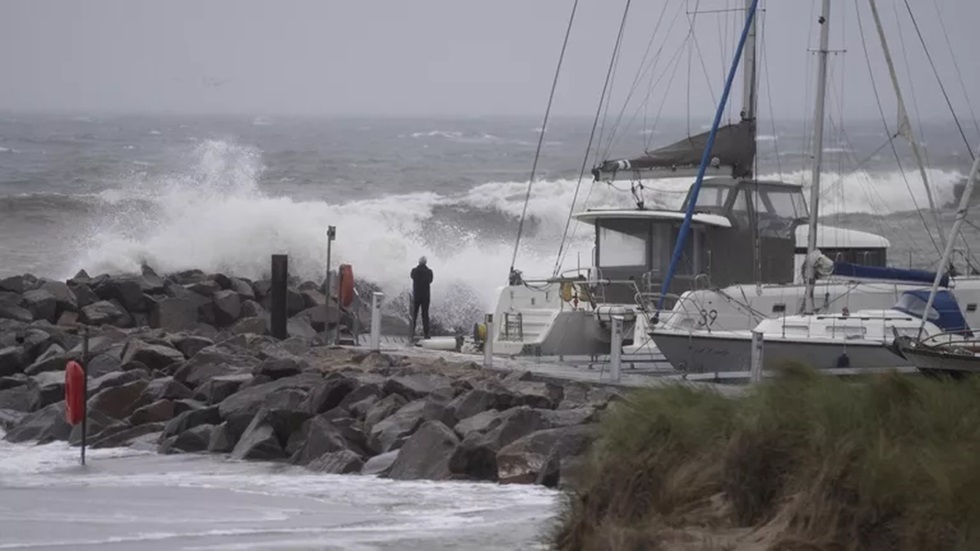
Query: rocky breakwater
point(184, 364)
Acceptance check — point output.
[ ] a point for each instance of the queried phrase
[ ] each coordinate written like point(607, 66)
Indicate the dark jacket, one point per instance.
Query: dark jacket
point(421, 280)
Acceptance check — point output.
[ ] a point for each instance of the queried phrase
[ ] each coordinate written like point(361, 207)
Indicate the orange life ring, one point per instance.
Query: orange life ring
point(74, 393)
point(345, 286)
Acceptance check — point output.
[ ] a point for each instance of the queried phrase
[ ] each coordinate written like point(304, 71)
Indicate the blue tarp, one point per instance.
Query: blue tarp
point(945, 311)
point(846, 269)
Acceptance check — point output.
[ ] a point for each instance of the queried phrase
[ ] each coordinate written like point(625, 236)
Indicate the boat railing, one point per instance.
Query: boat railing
point(964, 337)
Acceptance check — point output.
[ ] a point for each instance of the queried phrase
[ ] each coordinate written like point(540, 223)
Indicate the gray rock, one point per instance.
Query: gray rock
point(474, 402)
point(157, 412)
point(222, 439)
point(569, 417)
point(383, 409)
point(380, 465)
point(13, 359)
point(165, 388)
point(103, 364)
point(105, 312)
point(392, 432)
point(114, 379)
point(298, 327)
point(239, 408)
point(227, 307)
point(154, 356)
point(15, 312)
point(13, 284)
point(84, 295)
point(252, 309)
point(360, 408)
point(24, 398)
point(315, 438)
point(278, 368)
point(13, 381)
point(190, 345)
point(98, 425)
point(51, 386)
point(128, 290)
point(125, 437)
point(476, 456)
point(524, 460)
point(118, 401)
point(243, 289)
point(195, 439)
point(42, 304)
point(44, 425)
point(339, 462)
point(426, 454)
point(221, 387)
point(186, 404)
point(330, 394)
point(190, 419)
point(251, 325)
point(415, 386)
point(212, 362)
point(536, 395)
point(206, 288)
point(173, 314)
point(259, 441)
point(64, 296)
point(482, 422)
point(10, 418)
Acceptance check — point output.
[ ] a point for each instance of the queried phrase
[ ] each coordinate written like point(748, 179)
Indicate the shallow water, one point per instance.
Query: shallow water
point(129, 499)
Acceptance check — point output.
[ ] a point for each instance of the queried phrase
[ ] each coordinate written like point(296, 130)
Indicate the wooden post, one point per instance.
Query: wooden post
point(280, 280)
point(488, 343)
point(84, 391)
point(755, 363)
point(616, 347)
point(376, 299)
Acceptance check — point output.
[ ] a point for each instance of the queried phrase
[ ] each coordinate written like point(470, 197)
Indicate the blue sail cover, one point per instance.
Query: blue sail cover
point(846, 269)
point(945, 311)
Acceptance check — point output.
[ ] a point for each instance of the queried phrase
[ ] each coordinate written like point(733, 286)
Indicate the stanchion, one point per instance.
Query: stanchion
point(85, 338)
point(376, 299)
point(755, 363)
point(280, 279)
point(327, 290)
point(488, 342)
point(616, 348)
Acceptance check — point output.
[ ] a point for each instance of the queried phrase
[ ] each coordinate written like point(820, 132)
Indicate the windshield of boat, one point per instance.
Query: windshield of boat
point(623, 243)
point(712, 197)
point(915, 305)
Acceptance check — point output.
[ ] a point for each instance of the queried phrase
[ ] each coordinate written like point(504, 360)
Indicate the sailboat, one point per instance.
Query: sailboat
point(842, 340)
point(738, 268)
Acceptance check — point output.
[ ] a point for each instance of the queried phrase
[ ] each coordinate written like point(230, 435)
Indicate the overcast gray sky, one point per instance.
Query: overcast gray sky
point(445, 57)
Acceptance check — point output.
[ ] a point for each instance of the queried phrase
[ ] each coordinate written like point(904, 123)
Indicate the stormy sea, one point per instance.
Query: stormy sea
point(111, 193)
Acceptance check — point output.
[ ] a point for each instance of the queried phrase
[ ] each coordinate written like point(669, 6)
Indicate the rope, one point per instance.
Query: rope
point(956, 65)
point(544, 126)
point(595, 123)
point(936, 73)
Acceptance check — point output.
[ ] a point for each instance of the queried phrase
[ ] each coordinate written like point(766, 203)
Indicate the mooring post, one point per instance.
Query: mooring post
point(755, 362)
point(616, 347)
point(85, 337)
point(327, 290)
point(488, 342)
point(376, 299)
point(280, 279)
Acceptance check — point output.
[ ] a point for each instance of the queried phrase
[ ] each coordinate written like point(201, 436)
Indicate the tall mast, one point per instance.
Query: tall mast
point(749, 98)
point(818, 117)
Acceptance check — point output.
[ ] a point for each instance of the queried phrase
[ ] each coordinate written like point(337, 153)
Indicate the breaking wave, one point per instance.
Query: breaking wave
point(215, 217)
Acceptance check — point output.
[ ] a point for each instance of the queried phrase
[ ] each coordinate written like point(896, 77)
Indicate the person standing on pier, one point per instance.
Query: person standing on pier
point(421, 282)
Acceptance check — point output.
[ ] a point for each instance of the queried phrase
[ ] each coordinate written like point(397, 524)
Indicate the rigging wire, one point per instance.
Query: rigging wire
point(936, 73)
point(772, 117)
point(884, 122)
point(595, 122)
point(915, 101)
point(956, 66)
point(544, 127)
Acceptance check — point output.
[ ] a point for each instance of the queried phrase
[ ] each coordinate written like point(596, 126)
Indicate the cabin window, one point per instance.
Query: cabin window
point(778, 308)
point(618, 248)
point(778, 210)
point(740, 209)
point(971, 307)
point(847, 331)
point(712, 197)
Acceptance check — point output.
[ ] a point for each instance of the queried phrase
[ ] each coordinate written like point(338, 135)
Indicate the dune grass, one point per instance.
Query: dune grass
point(801, 461)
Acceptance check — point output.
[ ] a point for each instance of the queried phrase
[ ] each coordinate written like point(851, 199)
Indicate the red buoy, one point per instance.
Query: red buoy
point(345, 286)
point(74, 393)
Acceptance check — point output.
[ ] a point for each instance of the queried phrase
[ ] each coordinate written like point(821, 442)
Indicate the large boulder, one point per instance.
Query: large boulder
point(153, 356)
point(102, 364)
point(239, 408)
point(524, 460)
point(243, 288)
point(218, 388)
point(195, 439)
point(380, 465)
point(51, 387)
point(126, 436)
point(98, 425)
point(227, 307)
point(383, 409)
point(426, 454)
point(415, 386)
point(14, 312)
point(211, 362)
point(222, 439)
point(10, 418)
point(114, 379)
point(127, 290)
point(190, 419)
point(165, 388)
point(257, 325)
point(24, 398)
point(13, 359)
point(482, 422)
point(278, 368)
point(44, 425)
point(476, 456)
point(339, 462)
point(118, 401)
point(259, 441)
point(106, 312)
point(317, 436)
point(42, 304)
point(84, 295)
point(330, 393)
point(391, 433)
point(156, 412)
point(173, 314)
point(64, 296)
point(13, 284)
point(189, 345)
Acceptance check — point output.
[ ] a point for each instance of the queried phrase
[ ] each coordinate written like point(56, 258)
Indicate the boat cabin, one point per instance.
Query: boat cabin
point(743, 231)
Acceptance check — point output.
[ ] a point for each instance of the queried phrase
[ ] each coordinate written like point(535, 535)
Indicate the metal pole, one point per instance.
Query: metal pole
point(84, 391)
point(755, 363)
point(818, 119)
point(280, 276)
point(331, 234)
point(488, 342)
point(616, 348)
point(376, 299)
